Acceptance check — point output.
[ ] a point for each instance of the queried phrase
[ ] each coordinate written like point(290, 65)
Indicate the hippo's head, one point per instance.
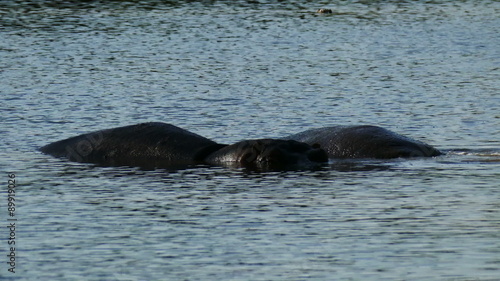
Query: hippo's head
point(269, 154)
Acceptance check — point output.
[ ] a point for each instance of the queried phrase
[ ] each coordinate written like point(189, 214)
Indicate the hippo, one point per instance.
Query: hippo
point(324, 11)
point(161, 145)
point(366, 141)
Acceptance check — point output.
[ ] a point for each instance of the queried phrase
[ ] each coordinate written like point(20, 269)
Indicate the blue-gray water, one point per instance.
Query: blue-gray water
point(233, 70)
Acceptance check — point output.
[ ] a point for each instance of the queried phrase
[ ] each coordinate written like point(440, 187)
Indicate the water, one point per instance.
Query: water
point(233, 70)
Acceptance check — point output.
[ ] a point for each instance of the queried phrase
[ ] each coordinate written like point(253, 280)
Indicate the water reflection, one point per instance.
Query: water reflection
point(234, 70)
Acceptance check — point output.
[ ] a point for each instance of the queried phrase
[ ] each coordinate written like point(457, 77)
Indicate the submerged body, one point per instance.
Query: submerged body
point(164, 145)
point(343, 142)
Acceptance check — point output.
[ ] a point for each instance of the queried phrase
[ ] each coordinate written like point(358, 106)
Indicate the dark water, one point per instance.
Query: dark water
point(232, 70)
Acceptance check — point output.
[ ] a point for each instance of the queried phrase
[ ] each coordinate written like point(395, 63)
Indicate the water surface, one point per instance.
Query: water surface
point(233, 70)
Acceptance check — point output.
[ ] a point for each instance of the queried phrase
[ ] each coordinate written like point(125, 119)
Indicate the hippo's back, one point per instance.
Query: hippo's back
point(364, 142)
point(145, 142)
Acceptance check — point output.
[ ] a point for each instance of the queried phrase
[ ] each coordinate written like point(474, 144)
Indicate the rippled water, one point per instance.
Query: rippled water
point(233, 70)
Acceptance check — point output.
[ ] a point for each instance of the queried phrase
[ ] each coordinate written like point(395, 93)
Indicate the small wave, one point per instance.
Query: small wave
point(476, 155)
point(475, 152)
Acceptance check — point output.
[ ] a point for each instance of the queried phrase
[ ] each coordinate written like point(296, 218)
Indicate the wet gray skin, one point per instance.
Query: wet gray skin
point(343, 142)
point(165, 145)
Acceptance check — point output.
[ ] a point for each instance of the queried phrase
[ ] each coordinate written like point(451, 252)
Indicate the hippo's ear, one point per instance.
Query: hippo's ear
point(316, 145)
